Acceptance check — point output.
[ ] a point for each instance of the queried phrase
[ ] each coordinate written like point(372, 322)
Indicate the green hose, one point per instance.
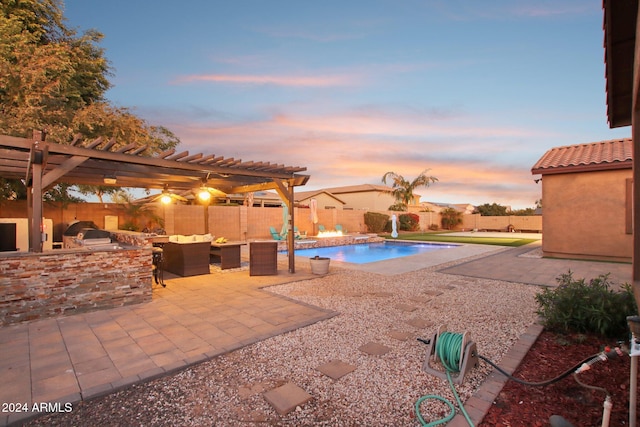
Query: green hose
point(448, 348)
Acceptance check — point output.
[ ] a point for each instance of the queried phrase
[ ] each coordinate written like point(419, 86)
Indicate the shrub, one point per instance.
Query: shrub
point(576, 306)
point(398, 207)
point(375, 222)
point(450, 218)
point(409, 222)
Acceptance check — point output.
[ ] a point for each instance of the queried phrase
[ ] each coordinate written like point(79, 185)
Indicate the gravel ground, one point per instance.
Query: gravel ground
point(381, 391)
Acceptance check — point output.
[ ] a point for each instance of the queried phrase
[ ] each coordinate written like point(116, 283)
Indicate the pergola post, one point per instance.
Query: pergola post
point(34, 192)
point(286, 194)
point(290, 235)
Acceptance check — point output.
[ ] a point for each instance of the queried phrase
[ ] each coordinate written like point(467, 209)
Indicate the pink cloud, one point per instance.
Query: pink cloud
point(358, 148)
point(296, 81)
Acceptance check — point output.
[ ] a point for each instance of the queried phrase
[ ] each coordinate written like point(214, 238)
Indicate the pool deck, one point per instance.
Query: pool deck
point(193, 319)
point(405, 264)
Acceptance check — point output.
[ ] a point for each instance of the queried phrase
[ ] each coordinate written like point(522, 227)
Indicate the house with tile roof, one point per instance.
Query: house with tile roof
point(364, 196)
point(324, 199)
point(587, 200)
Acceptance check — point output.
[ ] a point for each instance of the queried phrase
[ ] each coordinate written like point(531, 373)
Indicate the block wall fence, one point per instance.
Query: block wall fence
point(247, 223)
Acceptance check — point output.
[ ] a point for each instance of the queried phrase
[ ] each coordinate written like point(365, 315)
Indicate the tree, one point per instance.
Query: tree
point(54, 79)
point(139, 215)
point(402, 190)
point(60, 193)
point(450, 218)
point(47, 71)
point(493, 209)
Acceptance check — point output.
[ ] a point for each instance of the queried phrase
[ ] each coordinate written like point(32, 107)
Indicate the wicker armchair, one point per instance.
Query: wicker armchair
point(187, 259)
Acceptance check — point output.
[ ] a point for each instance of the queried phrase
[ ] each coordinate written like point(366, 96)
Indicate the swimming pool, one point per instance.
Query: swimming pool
point(372, 252)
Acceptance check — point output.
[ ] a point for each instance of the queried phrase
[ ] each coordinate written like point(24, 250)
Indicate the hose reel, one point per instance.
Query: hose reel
point(457, 353)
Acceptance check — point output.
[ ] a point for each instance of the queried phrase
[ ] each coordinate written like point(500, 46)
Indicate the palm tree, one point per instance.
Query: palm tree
point(402, 190)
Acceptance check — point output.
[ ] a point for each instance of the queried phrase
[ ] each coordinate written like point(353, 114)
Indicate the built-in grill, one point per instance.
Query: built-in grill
point(93, 237)
point(70, 234)
point(85, 234)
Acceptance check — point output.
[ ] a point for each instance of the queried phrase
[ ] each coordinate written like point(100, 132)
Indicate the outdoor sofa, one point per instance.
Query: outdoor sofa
point(187, 255)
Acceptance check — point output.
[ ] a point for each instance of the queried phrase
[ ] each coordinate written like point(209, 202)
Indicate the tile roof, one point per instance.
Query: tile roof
point(612, 154)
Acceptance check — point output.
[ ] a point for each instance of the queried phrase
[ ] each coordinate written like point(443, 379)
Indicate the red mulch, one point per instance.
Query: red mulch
point(551, 355)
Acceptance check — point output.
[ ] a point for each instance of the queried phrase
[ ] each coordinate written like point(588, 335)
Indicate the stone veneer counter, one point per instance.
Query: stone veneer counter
point(35, 286)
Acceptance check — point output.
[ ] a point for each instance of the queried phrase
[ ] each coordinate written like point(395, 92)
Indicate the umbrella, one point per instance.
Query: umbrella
point(394, 227)
point(313, 204)
point(285, 219)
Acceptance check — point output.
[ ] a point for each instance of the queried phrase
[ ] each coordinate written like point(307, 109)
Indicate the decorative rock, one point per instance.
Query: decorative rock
point(419, 323)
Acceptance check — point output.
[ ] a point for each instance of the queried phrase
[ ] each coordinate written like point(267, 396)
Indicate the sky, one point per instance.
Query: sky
point(474, 91)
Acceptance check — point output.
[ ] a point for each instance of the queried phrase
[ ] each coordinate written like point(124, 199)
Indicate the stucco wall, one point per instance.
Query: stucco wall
point(584, 215)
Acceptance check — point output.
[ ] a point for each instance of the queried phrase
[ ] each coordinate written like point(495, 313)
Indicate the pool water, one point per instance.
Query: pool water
point(372, 252)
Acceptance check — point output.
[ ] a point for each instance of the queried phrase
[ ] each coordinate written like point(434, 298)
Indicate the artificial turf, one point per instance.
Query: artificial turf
point(436, 237)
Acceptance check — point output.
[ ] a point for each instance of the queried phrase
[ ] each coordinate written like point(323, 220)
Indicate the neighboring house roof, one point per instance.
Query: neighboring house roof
point(306, 195)
point(596, 156)
point(358, 188)
point(364, 188)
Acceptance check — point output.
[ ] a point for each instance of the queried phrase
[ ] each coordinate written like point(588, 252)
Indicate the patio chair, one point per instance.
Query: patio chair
point(296, 233)
point(275, 234)
point(339, 228)
point(321, 228)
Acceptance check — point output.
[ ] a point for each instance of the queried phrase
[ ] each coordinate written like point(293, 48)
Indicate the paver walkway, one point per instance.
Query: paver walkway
point(511, 266)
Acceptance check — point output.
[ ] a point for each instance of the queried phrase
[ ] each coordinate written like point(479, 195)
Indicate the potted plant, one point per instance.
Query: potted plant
point(319, 265)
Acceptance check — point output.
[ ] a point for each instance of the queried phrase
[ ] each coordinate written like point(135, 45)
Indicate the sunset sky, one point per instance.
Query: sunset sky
point(476, 91)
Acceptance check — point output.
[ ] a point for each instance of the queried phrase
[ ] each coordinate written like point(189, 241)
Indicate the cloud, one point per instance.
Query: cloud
point(509, 9)
point(277, 80)
point(469, 156)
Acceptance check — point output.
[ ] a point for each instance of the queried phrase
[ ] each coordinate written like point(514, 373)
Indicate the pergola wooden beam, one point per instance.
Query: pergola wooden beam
point(44, 164)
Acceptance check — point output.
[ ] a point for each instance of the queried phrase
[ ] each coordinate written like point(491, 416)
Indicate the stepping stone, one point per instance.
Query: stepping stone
point(420, 299)
point(383, 294)
point(374, 349)
point(419, 323)
point(336, 369)
point(406, 307)
point(353, 294)
point(400, 335)
point(286, 398)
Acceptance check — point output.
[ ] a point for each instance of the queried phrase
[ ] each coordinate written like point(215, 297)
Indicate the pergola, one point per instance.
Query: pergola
point(100, 162)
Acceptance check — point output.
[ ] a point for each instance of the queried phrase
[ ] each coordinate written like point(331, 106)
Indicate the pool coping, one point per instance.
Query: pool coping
point(409, 263)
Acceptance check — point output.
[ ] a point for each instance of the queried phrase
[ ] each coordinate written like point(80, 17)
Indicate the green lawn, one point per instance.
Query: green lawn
point(443, 237)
